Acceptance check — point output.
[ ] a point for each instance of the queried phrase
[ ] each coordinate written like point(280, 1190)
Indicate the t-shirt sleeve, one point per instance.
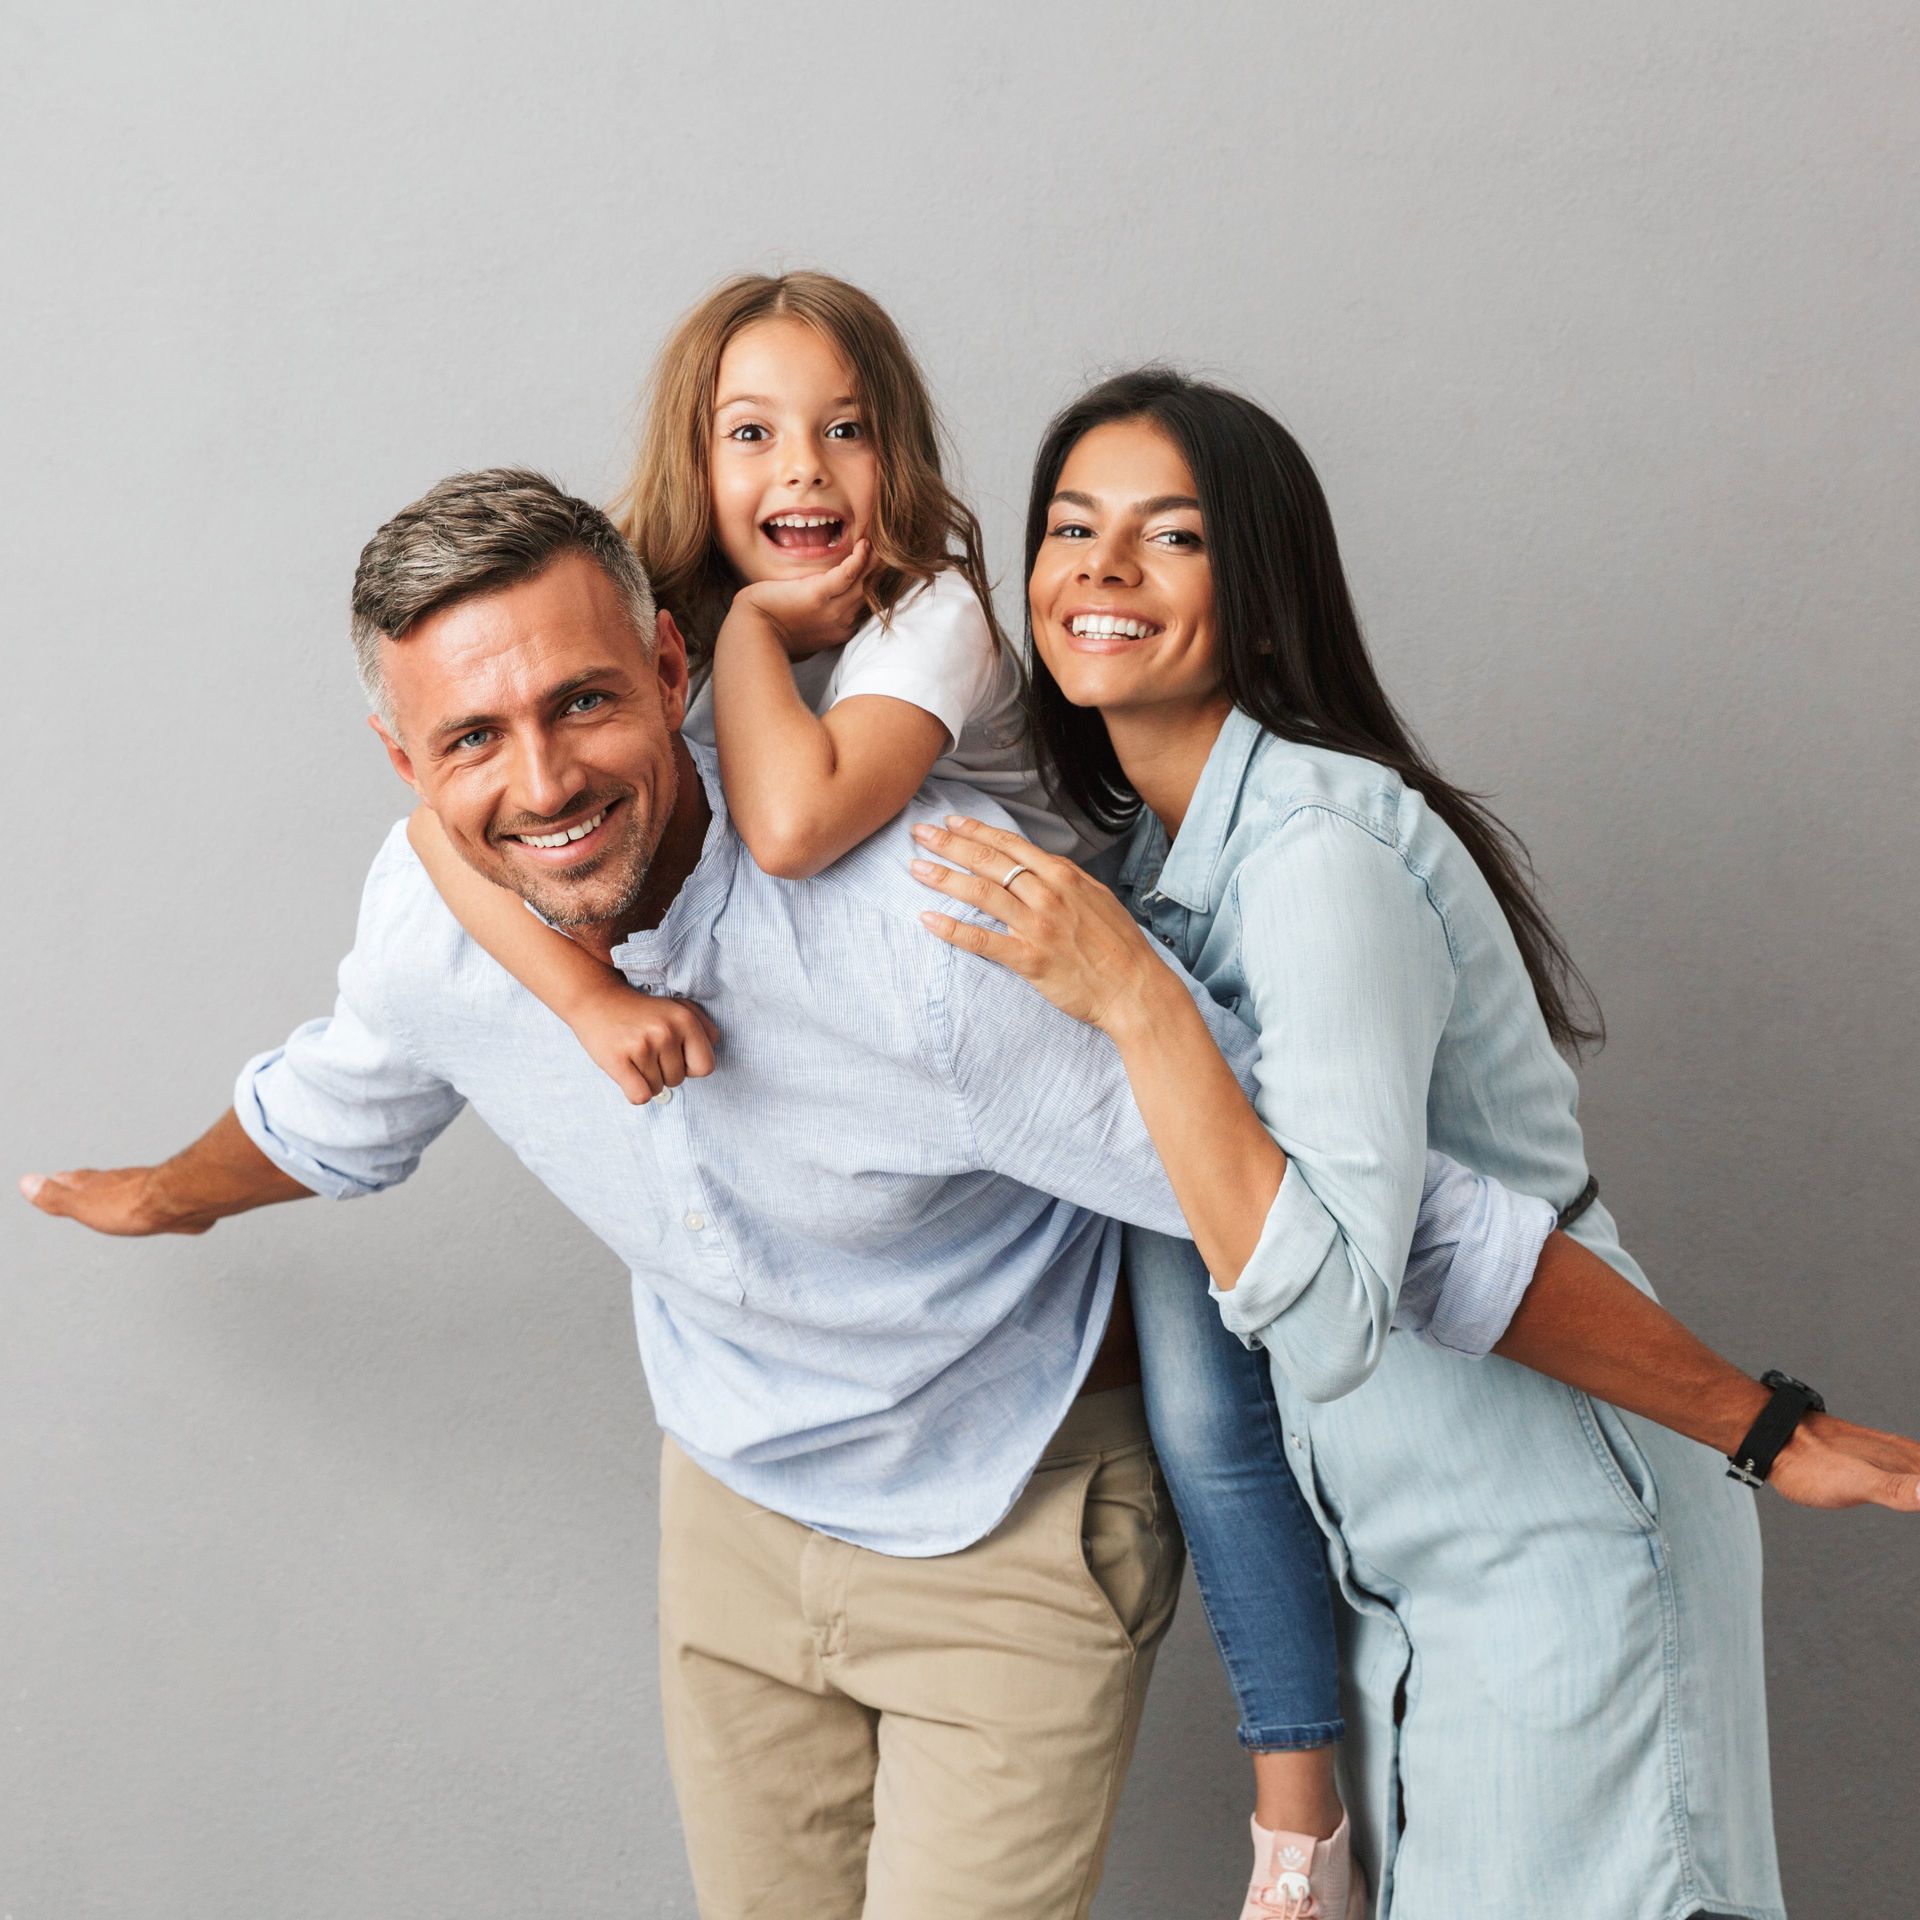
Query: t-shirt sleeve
point(936, 651)
point(343, 1106)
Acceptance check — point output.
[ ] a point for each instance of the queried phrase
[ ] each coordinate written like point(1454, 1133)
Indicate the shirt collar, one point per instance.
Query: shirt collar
point(705, 889)
point(1188, 872)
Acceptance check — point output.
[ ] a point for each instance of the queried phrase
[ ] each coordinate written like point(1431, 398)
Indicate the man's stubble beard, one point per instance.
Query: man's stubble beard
point(606, 891)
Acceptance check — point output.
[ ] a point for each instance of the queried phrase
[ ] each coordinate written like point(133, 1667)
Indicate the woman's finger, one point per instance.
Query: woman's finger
point(1001, 840)
point(993, 863)
point(964, 934)
point(988, 895)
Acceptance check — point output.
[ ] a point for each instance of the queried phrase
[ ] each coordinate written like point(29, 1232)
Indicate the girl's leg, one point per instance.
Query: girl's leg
point(1258, 1556)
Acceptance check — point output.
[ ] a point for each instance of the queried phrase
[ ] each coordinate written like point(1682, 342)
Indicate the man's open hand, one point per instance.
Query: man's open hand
point(1833, 1463)
point(119, 1201)
point(223, 1172)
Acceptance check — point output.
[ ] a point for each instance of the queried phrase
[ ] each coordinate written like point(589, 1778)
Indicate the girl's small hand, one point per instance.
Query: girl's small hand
point(646, 1043)
point(818, 611)
point(1065, 932)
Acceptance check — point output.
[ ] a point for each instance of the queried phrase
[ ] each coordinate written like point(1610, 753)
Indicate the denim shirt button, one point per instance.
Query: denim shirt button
point(696, 1222)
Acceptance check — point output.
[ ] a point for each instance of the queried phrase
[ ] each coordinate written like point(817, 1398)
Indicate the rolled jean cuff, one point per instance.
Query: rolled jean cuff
point(1321, 1733)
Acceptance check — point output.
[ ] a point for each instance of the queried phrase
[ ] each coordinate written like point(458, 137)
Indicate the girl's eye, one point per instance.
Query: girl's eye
point(1178, 536)
point(846, 430)
point(747, 434)
point(1069, 530)
point(586, 702)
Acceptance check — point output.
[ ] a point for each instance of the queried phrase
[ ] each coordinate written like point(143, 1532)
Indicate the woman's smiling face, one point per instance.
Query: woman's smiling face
point(1121, 591)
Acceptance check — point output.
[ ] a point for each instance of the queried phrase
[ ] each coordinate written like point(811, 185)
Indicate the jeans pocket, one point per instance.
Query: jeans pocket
point(1626, 1467)
point(1125, 1551)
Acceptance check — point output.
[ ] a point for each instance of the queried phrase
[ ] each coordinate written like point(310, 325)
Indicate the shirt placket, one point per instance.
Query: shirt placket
point(668, 1119)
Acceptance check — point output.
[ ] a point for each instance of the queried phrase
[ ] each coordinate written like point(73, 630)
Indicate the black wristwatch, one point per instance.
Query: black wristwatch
point(1752, 1460)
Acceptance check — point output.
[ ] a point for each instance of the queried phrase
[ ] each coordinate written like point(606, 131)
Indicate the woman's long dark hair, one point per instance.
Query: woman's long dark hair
point(1289, 645)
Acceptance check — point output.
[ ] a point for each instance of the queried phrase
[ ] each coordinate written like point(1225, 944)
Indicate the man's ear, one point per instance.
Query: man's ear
point(670, 666)
point(402, 760)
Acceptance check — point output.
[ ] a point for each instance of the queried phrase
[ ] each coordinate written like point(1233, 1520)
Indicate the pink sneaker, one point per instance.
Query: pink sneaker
point(1296, 1877)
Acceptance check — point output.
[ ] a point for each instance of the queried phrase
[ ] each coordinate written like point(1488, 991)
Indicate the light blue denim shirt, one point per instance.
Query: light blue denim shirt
point(1321, 900)
point(1554, 1682)
point(874, 1252)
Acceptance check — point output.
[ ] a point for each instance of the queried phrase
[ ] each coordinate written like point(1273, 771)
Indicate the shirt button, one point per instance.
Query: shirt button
point(1298, 1444)
point(695, 1222)
point(665, 1096)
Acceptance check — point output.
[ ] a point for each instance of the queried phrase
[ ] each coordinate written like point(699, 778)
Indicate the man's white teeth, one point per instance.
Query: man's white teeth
point(804, 520)
point(565, 834)
point(1106, 626)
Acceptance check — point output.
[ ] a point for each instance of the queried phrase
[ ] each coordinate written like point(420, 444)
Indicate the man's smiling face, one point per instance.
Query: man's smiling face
point(540, 727)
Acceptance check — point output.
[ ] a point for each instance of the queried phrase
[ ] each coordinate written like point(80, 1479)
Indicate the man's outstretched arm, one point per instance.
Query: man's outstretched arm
point(1583, 1323)
point(223, 1172)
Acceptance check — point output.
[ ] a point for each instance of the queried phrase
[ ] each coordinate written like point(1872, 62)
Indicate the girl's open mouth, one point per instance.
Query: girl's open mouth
point(804, 532)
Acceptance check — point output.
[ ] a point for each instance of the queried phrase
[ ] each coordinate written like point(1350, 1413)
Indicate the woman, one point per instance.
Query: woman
point(1553, 1663)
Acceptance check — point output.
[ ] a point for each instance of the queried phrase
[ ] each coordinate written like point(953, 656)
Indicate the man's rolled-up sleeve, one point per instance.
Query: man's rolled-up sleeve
point(1475, 1247)
point(343, 1107)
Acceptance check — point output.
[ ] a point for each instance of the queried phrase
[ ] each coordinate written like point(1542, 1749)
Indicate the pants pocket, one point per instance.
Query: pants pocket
point(1126, 1549)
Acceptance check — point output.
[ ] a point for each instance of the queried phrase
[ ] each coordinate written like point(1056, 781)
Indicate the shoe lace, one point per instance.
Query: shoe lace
point(1288, 1897)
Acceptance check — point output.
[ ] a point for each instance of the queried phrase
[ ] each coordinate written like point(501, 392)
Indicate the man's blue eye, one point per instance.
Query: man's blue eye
point(479, 733)
point(580, 701)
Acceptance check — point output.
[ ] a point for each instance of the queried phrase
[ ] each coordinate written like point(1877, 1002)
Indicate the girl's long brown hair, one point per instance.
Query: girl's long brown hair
point(920, 526)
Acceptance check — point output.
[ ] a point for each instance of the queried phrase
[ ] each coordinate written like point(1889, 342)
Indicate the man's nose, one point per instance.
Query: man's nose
point(546, 781)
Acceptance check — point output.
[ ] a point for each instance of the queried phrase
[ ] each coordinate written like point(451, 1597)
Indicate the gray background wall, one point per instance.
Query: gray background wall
point(328, 1540)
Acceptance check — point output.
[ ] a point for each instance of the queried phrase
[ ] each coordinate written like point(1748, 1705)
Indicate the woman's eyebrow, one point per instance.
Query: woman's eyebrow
point(1160, 503)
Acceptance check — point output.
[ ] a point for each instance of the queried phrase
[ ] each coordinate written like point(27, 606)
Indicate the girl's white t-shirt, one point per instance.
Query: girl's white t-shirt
point(937, 651)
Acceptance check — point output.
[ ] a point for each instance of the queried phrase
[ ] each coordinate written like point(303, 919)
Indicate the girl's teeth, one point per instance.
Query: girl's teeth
point(804, 520)
point(566, 834)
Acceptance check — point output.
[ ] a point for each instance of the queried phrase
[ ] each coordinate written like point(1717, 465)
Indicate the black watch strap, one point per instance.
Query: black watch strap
point(1792, 1401)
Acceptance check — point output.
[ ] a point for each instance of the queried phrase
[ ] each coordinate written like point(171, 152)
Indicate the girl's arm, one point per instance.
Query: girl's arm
point(1579, 1321)
point(643, 1041)
point(804, 788)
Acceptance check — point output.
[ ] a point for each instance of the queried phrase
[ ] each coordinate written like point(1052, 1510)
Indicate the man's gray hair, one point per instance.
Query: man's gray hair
point(476, 533)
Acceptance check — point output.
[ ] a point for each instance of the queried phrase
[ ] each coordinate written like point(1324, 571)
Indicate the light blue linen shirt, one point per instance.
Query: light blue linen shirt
point(873, 1253)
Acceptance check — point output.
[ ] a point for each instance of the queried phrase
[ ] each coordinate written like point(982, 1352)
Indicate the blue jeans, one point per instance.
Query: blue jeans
point(1258, 1556)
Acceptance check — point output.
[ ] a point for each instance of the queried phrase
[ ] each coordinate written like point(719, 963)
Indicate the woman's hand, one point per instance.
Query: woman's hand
point(1065, 932)
point(817, 611)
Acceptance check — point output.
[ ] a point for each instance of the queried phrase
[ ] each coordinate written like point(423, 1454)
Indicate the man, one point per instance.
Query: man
point(916, 1558)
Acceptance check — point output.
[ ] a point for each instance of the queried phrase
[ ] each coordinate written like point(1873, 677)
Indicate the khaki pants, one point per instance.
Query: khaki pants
point(855, 1736)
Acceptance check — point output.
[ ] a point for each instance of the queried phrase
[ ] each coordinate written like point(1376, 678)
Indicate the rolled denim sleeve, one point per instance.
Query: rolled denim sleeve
point(1350, 980)
point(343, 1106)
